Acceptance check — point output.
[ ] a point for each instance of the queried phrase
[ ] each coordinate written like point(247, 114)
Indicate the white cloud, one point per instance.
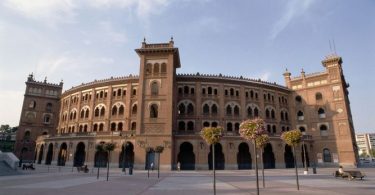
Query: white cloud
point(54, 11)
point(49, 11)
point(265, 76)
point(294, 8)
point(111, 33)
point(11, 103)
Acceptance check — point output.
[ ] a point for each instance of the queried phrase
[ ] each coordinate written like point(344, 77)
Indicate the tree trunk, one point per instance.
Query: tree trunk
point(213, 166)
point(256, 166)
point(295, 166)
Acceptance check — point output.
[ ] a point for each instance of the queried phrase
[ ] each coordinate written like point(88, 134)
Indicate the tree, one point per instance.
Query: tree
point(158, 150)
point(109, 147)
point(251, 130)
point(212, 135)
point(293, 138)
point(261, 141)
point(99, 148)
point(5, 128)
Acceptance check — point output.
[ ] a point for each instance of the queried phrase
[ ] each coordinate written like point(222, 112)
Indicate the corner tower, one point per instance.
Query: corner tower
point(156, 97)
point(39, 116)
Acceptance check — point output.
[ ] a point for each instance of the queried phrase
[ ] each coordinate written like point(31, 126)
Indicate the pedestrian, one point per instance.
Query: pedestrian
point(152, 166)
point(178, 166)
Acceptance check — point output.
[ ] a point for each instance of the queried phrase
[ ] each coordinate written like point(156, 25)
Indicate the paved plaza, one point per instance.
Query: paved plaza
point(278, 181)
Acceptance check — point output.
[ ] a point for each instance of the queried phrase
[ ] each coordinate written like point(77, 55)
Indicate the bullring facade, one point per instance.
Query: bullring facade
point(162, 108)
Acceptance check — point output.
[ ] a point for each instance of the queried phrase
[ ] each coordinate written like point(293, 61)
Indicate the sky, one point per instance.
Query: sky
point(78, 41)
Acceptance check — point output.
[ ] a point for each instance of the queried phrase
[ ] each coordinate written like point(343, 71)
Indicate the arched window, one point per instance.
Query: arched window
point(267, 113)
point(249, 112)
point(237, 127)
point(49, 107)
point(114, 110)
point(133, 126)
point(236, 111)
point(300, 116)
point(190, 109)
point(180, 90)
point(323, 130)
point(95, 127)
point(321, 113)
point(119, 126)
point(47, 119)
point(229, 127)
point(87, 113)
point(121, 110)
point(286, 116)
point(101, 127)
point(102, 111)
point(215, 91)
point(82, 113)
point(192, 91)
point(154, 88)
point(113, 126)
point(134, 92)
point(154, 111)
point(206, 124)
point(214, 124)
point(269, 128)
point(214, 109)
point(318, 96)
point(256, 112)
point(273, 114)
point(282, 115)
point(302, 129)
point(326, 155)
point(190, 126)
point(251, 94)
point(163, 68)
point(181, 109)
point(231, 91)
point(156, 68)
point(80, 128)
point(282, 128)
point(118, 92)
point(32, 104)
point(206, 109)
point(181, 126)
point(134, 109)
point(298, 99)
point(186, 89)
point(96, 112)
point(229, 110)
point(209, 90)
point(148, 68)
point(26, 135)
point(85, 128)
point(274, 129)
point(203, 91)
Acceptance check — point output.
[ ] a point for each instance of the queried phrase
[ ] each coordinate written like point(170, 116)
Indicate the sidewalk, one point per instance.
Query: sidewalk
point(277, 181)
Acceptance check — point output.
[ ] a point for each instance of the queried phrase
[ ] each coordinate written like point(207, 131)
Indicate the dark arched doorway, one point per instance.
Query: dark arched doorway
point(268, 157)
point(79, 156)
point(288, 157)
point(186, 156)
point(304, 149)
point(49, 154)
point(62, 155)
point(129, 156)
point(101, 158)
point(150, 159)
point(219, 157)
point(40, 156)
point(243, 156)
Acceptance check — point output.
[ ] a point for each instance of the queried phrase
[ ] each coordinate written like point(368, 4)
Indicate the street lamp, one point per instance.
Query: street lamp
point(305, 172)
point(126, 136)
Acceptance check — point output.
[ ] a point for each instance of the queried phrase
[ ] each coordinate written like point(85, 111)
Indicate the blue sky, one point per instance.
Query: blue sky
point(82, 40)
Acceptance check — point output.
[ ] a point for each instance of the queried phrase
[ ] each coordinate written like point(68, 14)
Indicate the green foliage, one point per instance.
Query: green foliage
point(262, 140)
point(109, 147)
point(212, 135)
point(159, 149)
point(292, 138)
point(100, 147)
point(251, 129)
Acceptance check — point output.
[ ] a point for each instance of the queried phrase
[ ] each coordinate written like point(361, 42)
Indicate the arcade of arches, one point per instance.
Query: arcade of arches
point(190, 156)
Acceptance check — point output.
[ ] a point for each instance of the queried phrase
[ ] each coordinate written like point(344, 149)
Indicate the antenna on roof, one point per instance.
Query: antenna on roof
point(330, 46)
point(334, 46)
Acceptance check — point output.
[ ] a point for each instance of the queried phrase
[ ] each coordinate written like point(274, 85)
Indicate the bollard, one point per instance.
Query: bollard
point(314, 170)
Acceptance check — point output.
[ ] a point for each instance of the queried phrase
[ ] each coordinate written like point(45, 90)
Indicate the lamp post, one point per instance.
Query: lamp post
point(305, 172)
